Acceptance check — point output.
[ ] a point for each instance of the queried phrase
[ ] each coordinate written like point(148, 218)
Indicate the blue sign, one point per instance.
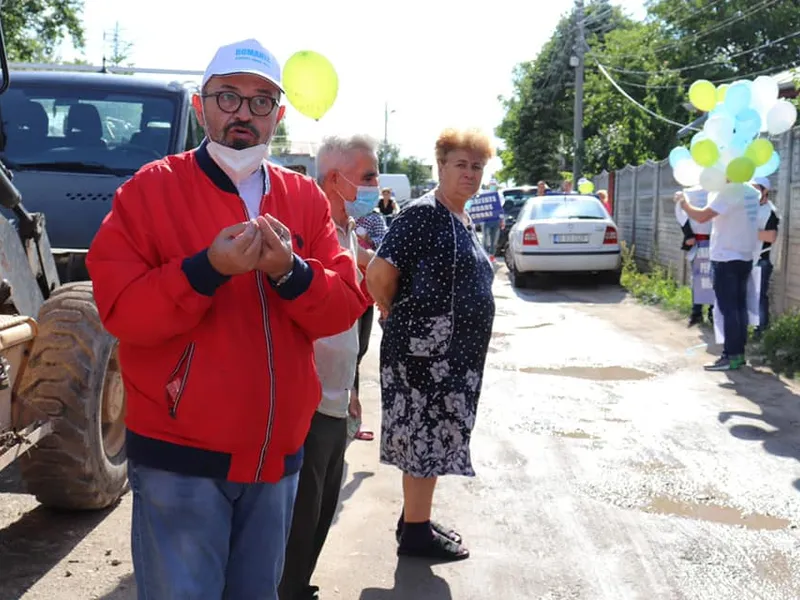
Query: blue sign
point(702, 279)
point(485, 207)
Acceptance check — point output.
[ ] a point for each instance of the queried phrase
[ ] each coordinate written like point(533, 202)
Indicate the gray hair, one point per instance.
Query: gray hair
point(336, 152)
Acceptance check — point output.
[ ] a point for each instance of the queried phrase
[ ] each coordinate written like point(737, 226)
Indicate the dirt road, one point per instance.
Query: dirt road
point(610, 466)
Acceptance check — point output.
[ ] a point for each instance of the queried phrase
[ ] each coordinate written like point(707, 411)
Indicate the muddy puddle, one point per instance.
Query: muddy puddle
point(714, 513)
point(592, 373)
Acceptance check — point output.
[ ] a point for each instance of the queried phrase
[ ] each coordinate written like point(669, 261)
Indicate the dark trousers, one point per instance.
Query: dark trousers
point(364, 331)
point(315, 505)
point(763, 305)
point(730, 288)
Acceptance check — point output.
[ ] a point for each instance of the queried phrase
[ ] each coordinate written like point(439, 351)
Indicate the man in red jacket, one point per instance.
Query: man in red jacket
point(217, 271)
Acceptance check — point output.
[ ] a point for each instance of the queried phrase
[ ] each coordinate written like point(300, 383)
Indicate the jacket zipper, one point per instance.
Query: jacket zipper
point(262, 296)
point(176, 384)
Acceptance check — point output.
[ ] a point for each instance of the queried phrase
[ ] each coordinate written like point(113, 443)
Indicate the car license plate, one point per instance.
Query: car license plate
point(571, 238)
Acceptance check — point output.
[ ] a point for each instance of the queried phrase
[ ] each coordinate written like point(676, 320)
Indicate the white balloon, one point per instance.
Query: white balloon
point(687, 173)
point(719, 129)
point(781, 117)
point(712, 179)
point(765, 93)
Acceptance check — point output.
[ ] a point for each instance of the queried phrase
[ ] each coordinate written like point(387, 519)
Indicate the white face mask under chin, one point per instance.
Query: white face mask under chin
point(238, 165)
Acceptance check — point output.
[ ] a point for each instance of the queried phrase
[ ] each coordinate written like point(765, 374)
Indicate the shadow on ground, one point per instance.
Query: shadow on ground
point(125, 590)
point(568, 288)
point(413, 579)
point(777, 426)
point(38, 541)
point(348, 490)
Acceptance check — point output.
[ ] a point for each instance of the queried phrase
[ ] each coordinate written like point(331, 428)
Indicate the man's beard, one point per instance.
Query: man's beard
point(237, 143)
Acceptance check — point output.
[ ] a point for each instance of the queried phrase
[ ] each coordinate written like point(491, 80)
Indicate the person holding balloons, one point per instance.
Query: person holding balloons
point(734, 238)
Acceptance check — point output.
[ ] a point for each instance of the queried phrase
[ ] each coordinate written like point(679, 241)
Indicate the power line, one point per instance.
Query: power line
point(631, 99)
point(701, 34)
point(705, 64)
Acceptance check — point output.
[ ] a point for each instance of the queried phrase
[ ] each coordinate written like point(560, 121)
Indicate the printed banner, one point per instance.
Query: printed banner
point(485, 207)
point(702, 281)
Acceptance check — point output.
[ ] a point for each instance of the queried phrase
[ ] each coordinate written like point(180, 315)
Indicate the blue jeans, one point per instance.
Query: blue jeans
point(763, 304)
point(198, 538)
point(491, 232)
point(730, 288)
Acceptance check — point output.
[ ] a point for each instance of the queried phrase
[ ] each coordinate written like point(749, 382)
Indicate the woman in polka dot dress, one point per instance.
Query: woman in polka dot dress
point(432, 282)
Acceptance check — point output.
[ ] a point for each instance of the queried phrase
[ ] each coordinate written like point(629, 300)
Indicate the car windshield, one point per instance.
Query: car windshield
point(71, 127)
point(515, 199)
point(566, 207)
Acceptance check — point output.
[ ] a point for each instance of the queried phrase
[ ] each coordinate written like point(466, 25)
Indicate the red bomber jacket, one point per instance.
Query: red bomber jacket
point(219, 371)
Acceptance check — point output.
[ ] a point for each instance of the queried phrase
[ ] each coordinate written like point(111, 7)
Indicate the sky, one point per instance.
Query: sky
point(437, 63)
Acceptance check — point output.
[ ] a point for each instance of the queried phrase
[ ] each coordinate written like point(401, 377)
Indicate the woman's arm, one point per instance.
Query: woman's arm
point(382, 278)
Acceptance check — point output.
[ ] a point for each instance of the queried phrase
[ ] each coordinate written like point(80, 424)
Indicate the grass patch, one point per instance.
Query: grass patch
point(780, 344)
point(656, 286)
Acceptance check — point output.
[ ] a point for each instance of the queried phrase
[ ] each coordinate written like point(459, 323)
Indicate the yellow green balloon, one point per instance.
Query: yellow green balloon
point(759, 151)
point(705, 153)
point(722, 91)
point(587, 187)
point(703, 95)
point(311, 83)
point(740, 170)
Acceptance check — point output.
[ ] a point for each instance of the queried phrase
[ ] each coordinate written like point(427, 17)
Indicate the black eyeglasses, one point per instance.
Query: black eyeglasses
point(230, 102)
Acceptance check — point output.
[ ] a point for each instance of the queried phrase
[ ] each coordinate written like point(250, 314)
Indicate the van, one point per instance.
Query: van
point(399, 184)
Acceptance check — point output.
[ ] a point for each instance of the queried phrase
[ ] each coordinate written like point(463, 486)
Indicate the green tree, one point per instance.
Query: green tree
point(281, 144)
point(34, 28)
point(415, 170)
point(654, 62)
point(121, 49)
point(391, 154)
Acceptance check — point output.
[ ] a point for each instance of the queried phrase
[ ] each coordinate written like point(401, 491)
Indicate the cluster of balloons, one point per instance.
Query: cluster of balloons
point(729, 148)
point(311, 83)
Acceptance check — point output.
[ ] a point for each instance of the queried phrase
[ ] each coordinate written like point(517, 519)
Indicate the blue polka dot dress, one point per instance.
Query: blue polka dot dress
point(434, 342)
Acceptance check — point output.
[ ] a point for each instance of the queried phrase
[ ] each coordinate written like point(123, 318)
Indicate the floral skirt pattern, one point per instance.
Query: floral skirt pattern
point(428, 416)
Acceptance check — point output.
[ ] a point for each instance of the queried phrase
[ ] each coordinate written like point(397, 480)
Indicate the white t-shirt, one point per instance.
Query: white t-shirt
point(734, 231)
point(253, 189)
point(336, 356)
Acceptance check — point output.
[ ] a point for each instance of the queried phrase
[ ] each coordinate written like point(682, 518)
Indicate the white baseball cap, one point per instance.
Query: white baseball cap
point(763, 182)
point(247, 56)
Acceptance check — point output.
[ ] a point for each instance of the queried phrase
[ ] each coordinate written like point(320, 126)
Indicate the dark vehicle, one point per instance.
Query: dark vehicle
point(513, 201)
point(67, 141)
point(71, 139)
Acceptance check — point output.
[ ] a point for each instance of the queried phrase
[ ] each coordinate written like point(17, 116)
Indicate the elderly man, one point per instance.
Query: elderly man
point(734, 239)
point(768, 222)
point(217, 271)
point(347, 170)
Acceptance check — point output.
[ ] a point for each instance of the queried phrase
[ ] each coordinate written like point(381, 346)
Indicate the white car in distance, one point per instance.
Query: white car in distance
point(563, 233)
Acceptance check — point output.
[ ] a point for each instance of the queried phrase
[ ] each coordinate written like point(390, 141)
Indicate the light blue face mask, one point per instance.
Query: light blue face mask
point(366, 200)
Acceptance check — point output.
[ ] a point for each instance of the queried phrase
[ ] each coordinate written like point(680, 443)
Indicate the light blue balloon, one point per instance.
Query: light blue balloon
point(679, 154)
point(748, 124)
point(738, 97)
point(768, 169)
point(721, 109)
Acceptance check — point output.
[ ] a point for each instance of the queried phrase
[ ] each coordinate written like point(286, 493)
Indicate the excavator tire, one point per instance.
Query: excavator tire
point(74, 379)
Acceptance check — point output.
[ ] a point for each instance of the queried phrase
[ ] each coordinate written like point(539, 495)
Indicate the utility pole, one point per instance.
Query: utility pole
point(577, 61)
point(385, 137)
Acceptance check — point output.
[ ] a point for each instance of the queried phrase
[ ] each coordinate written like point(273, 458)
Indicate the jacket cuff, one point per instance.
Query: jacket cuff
point(203, 277)
point(299, 281)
